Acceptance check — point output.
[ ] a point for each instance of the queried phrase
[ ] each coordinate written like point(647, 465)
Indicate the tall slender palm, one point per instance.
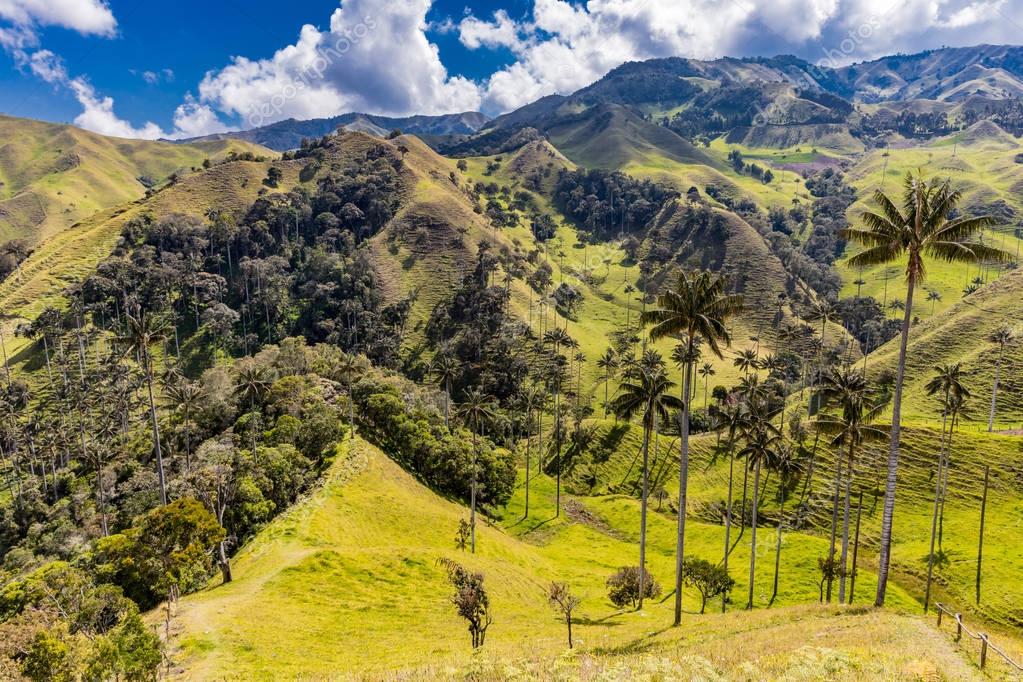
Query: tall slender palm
point(534, 401)
point(788, 467)
point(747, 361)
point(141, 330)
point(609, 363)
point(1003, 336)
point(933, 296)
point(825, 311)
point(948, 383)
point(762, 445)
point(734, 421)
point(706, 371)
point(475, 411)
point(558, 338)
point(697, 305)
point(922, 227)
point(347, 365)
point(185, 398)
point(848, 392)
point(644, 391)
point(445, 368)
point(252, 383)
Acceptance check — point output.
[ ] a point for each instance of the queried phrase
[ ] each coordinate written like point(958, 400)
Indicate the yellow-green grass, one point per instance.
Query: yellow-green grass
point(982, 166)
point(347, 582)
point(616, 449)
point(960, 334)
point(53, 176)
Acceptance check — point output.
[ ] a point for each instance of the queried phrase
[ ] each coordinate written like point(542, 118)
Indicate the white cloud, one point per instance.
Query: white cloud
point(99, 117)
point(501, 32)
point(375, 57)
point(48, 66)
point(88, 17)
point(193, 119)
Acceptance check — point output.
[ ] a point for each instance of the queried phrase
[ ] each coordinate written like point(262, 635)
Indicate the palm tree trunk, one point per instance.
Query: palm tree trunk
point(351, 408)
point(472, 496)
point(834, 522)
point(934, 515)
point(683, 484)
point(728, 515)
point(777, 551)
point(845, 525)
point(529, 438)
point(753, 536)
point(888, 514)
point(994, 391)
point(642, 505)
point(156, 428)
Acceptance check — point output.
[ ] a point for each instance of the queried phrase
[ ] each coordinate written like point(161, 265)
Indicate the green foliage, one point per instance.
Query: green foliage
point(709, 579)
point(623, 587)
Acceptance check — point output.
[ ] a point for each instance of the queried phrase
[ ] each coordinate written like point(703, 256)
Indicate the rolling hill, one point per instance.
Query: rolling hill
point(53, 176)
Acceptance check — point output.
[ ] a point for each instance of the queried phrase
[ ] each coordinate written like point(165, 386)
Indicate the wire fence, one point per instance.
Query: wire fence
point(985, 643)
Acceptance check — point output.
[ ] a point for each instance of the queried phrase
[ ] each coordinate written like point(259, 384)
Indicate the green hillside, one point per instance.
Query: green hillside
point(357, 561)
point(54, 176)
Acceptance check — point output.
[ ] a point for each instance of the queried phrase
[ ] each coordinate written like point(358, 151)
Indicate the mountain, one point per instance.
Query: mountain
point(323, 318)
point(288, 134)
point(52, 176)
point(949, 74)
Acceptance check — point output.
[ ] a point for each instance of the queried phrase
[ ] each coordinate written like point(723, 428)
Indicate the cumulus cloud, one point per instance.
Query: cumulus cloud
point(25, 17)
point(565, 45)
point(375, 57)
point(98, 114)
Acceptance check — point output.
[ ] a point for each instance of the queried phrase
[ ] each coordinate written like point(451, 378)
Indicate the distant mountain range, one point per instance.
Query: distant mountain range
point(694, 97)
point(288, 134)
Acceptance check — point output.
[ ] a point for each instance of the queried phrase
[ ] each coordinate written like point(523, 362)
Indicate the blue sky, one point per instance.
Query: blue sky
point(141, 69)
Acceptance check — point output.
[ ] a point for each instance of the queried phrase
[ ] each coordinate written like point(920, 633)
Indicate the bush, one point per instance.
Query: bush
point(623, 587)
point(709, 579)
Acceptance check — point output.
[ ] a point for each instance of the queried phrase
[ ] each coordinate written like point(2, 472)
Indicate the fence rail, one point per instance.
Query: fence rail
point(985, 642)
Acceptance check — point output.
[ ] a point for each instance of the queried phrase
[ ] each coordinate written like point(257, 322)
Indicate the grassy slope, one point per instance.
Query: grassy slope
point(53, 176)
point(70, 255)
point(348, 581)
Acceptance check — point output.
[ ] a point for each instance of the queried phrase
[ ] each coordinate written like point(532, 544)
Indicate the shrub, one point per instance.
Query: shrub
point(623, 587)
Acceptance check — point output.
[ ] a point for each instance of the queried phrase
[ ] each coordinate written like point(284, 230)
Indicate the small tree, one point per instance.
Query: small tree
point(463, 534)
point(830, 570)
point(709, 580)
point(470, 599)
point(564, 602)
point(623, 587)
point(273, 177)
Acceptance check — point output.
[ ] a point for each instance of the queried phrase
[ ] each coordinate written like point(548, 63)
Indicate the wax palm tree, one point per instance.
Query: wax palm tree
point(534, 401)
point(823, 310)
point(697, 305)
point(558, 339)
point(747, 361)
point(734, 421)
point(445, 368)
point(762, 446)
point(706, 371)
point(347, 365)
point(1003, 336)
point(141, 330)
point(644, 391)
point(477, 409)
point(933, 296)
point(609, 363)
point(948, 383)
point(185, 398)
point(251, 384)
point(788, 468)
point(848, 392)
point(922, 227)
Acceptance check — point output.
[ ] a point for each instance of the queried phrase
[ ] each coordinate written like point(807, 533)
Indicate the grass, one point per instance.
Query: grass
point(53, 176)
point(356, 563)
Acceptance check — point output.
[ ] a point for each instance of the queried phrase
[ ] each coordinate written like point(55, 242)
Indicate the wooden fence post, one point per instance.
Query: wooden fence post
point(983, 650)
point(959, 626)
point(940, 611)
